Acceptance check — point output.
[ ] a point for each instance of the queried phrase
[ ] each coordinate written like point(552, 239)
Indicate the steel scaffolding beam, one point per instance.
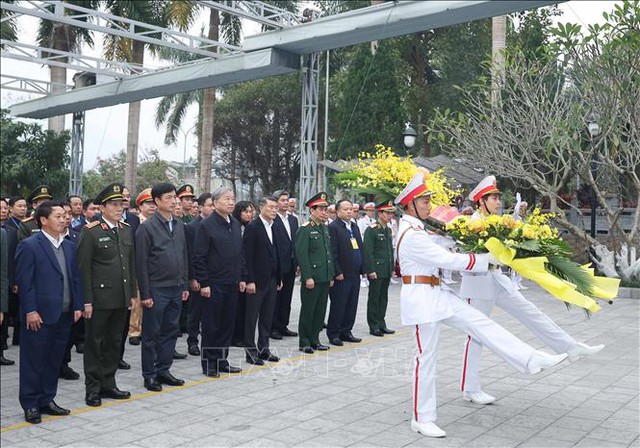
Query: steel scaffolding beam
point(77, 154)
point(21, 84)
point(309, 131)
point(106, 23)
point(256, 11)
point(58, 58)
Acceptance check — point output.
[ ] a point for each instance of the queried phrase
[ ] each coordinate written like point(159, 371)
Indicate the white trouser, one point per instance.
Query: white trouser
point(470, 321)
point(514, 303)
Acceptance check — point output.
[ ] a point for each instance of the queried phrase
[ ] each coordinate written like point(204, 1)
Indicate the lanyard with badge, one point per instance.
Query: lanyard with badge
point(354, 242)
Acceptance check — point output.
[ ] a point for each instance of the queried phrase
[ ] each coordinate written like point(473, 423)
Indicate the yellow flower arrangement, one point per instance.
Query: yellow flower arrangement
point(533, 242)
point(385, 173)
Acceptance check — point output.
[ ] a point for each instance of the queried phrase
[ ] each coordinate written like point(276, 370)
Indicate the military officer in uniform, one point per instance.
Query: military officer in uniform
point(378, 265)
point(107, 266)
point(486, 290)
point(313, 250)
point(425, 303)
point(37, 197)
point(186, 196)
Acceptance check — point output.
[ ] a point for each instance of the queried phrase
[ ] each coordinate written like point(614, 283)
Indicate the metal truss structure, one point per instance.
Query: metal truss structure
point(287, 39)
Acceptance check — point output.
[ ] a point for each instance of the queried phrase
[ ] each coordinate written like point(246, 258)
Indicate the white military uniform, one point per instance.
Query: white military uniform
point(425, 306)
point(486, 290)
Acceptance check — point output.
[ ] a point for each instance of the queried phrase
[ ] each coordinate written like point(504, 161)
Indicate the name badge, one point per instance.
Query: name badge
point(103, 239)
point(354, 243)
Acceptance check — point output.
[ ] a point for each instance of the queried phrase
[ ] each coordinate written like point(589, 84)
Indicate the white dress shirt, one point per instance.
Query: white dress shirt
point(267, 226)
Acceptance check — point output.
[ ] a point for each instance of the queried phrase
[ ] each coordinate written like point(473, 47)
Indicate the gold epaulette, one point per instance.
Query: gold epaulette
point(92, 224)
point(125, 223)
point(373, 225)
point(309, 223)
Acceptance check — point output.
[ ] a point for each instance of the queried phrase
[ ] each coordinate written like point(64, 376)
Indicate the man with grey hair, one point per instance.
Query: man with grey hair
point(218, 266)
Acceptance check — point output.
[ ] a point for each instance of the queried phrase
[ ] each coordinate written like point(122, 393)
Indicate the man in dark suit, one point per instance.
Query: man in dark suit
point(263, 281)
point(205, 202)
point(285, 227)
point(218, 266)
point(50, 301)
point(77, 329)
point(107, 265)
point(346, 248)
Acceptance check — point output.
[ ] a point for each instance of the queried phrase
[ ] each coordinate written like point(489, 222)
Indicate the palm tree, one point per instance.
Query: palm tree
point(498, 44)
point(165, 13)
point(63, 37)
point(8, 26)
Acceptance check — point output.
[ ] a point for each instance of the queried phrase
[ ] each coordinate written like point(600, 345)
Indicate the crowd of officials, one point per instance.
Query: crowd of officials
point(93, 273)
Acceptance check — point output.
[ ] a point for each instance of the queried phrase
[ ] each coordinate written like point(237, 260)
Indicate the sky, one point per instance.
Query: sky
point(106, 128)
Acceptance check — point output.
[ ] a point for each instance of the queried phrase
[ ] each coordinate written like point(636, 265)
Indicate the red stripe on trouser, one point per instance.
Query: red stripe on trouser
point(416, 379)
point(466, 356)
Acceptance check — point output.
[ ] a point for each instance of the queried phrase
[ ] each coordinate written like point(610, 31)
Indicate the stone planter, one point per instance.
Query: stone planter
point(629, 293)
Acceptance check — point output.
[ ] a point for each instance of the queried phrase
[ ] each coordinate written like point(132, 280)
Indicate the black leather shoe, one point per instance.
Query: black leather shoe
point(336, 341)
point(378, 333)
point(169, 380)
point(123, 365)
point(289, 333)
point(177, 355)
point(229, 369)
point(385, 330)
point(255, 360)
point(6, 362)
point(67, 373)
point(194, 350)
point(321, 347)
point(307, 350)
point(115, 393)
point(134, 340)
point(268, 356)
point(53, 409)
point(93, 399)
point(349, 337)
point(324, 325)
point(276, 335)
point(237, 344)
point(32, 416)
point(153, 385)
point(80, 347)
point(212, 373)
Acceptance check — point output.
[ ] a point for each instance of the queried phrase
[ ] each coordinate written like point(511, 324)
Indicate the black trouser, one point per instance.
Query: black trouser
point(125, 333)
point(76, 337)
point(11, 318)
point(238, 328)
point(195, 316)
point(259, 310)
point(344, 304)
point(218, 317)
point(282, 311)
point(102, 348)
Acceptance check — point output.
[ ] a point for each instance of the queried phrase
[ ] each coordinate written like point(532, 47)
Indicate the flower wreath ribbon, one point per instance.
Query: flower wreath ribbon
point(534, 269)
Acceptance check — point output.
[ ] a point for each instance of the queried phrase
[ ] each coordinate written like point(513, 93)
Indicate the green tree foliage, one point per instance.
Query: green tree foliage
point(151, 170)
point(367, 103)
point(257, 132)
point(31, 156)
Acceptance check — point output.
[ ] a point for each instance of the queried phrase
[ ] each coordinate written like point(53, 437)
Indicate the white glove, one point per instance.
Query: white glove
point(493, 260)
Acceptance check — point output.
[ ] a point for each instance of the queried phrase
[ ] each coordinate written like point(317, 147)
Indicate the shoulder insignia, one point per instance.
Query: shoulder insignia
point(373, 225)
point(104, 226)
point(125, 224)
point(91, 224)
point(30, 218)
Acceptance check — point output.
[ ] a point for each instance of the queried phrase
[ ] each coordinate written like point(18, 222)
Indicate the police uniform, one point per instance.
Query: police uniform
point(425, 302)
point(107, 265)
point(313, 251)
point(486, 290)
point(378, 259)
point(185, 191)
point(30, 226)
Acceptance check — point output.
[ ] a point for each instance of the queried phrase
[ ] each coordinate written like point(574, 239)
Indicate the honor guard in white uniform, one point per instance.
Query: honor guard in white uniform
point(425, 303)
point(486, 290)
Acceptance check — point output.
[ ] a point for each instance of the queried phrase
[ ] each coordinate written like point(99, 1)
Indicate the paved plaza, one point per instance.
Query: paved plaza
point(360, 394)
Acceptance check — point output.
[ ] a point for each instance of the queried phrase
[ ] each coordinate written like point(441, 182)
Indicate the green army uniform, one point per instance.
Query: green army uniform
point(107, 265)
point(185, 190)
point(313, 250)
point(30, 226)
point(378, 258)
